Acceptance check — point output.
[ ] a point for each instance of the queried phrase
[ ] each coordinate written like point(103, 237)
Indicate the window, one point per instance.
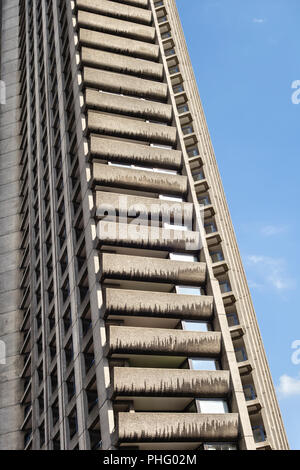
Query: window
point(232, 319)
point(178, 88)
point(216, 256)
point(219, 446)
point(183, 108)
point(166, 35)
point(196, 326)
point(225, 286)
point(198, 174)
point(210, 227)
point(167, 147)
point(204, 364)
point(187, 129)
point(192, 151)
point(183, 257)
point(204, 200)
point(188, 290)
point(259, 433)
point(169, 52)
point(143, 168)
point(174, 69)
point(212, 405)
point(170, 198)
point(249, 392)
point(240, 354)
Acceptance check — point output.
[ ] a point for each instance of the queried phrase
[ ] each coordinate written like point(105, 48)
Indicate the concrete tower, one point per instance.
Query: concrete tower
point(125, 316)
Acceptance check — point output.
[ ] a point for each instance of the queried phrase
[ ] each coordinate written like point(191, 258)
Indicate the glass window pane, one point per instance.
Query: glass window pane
point(232, 319)
point(212, 405)
point(220, 446)
point(240, 355)
point(195, 326)
point(258, 434)
point(183, 257)
point(188, 290)
point(204, 364)
point(170, 198)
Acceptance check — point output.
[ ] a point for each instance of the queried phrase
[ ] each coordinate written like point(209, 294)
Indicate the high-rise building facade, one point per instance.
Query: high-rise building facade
point(125, 316)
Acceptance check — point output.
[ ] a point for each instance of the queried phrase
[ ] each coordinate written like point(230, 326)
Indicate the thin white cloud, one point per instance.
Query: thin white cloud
point(271, 230)
point(258, 20)
point(271, 271)
point(288, 386)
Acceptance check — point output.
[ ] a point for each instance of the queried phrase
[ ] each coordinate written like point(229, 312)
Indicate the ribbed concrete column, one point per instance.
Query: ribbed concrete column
point(11, 414)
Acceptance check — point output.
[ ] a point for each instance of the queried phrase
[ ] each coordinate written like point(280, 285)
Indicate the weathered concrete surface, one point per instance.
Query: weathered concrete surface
point(134, 340)
point(118, 45)
point(122, 64)
point(116, 10)
point(135, 381)
point(143, 268)
point(11, 414)
point(122, 83)
point(128, 106)
point(157, 304)
point(180, 427)
point(142, 236)
point(163, 183)
point(123, 127)
point(133, 206)
point(132, 153)
point(115, 26)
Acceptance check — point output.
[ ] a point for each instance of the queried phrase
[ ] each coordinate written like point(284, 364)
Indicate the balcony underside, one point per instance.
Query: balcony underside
point(121, 63)
point(127, 84)
point(127, 105)
point(123, 127)
point(115, 26)
point(116, 44)
point(140, 268)
point(124, 205)
point(172, 427)
point(157, 304)
point(142, 236)
point(140, 382)
point(132, 153)
point(155, 341)
point(107, 175)
point(117, 10)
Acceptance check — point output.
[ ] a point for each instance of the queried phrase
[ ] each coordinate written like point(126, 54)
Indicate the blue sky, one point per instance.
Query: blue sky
point(246, 56)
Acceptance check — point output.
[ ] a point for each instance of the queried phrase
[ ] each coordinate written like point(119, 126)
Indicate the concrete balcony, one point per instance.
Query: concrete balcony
point(152, 238)
point(123, 205)
point(129, 106)
point(157, 304)
point(118, 27)
point(120, 83)
point(138, 268)
point(117, 44)
point(139, 180)
point(114, 125)
point(177, 427)
point(148, 382)
point(121, 63)
point(131, 153)
point(117, 10)
point(124, 340)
